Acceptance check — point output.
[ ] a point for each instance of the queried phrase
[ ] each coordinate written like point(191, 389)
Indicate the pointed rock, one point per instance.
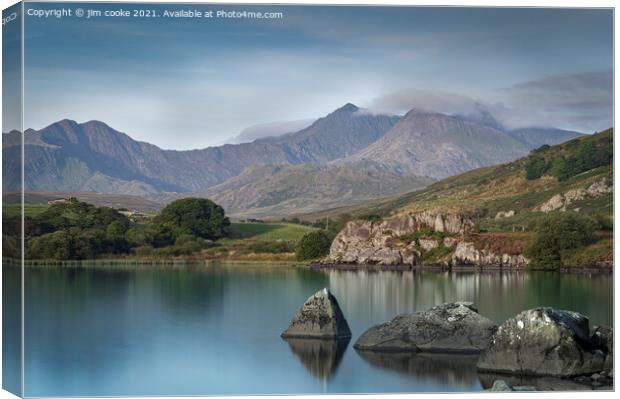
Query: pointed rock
point(319, 317)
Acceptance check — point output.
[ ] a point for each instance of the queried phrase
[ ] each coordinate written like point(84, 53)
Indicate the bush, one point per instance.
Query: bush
point(557, 233)
point(196, 216)
point(312, 245)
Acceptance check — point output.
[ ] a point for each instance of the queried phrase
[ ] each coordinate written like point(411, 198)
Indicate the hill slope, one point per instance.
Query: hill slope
point(485, 192)
point(437, 145)
point(269, 191)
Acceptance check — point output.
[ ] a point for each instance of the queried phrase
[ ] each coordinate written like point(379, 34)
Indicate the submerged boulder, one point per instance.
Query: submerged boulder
point(448, 328)
point(543, 342)
point(319, 317)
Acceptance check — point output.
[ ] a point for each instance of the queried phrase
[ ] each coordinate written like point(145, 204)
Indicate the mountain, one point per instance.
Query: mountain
point(437, 145)
point(272, 129)
point(341, 133)
point(263, 191)
point(92, 156)
point(534, 137)
point(486, 192)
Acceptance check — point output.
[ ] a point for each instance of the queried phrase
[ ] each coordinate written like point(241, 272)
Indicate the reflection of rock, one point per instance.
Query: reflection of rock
point(320, 357)
point(516, 383)
point(442, 368)
point(543, 342)
point(319, 317)
point(449, 328)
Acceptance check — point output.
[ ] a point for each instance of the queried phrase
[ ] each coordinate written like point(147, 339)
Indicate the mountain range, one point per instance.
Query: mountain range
point(349, 155)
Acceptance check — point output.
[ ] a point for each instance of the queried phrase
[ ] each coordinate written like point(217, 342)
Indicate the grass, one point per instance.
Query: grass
point(29, 209)
point(268, 231)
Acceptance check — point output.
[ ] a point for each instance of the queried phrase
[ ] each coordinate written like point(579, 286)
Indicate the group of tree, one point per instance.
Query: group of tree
point(578, 156)
point(557, 233)
point(78, 230)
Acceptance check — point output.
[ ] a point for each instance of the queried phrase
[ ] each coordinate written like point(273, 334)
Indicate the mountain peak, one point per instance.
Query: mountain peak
point(348, 107)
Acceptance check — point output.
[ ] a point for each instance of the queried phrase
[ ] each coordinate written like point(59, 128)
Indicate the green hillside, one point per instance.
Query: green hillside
point(484, 192)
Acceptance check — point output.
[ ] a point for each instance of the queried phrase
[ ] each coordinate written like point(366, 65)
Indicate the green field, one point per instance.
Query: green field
point(29, 209)
point(268, 231)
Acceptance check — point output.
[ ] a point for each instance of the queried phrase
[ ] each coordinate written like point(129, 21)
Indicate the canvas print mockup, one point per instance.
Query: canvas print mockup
point(233, 199)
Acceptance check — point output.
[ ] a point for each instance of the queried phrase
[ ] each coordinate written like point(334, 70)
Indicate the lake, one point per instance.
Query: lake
point(207, 330)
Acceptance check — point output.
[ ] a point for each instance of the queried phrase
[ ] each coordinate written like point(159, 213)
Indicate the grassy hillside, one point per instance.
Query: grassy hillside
point(486, 191)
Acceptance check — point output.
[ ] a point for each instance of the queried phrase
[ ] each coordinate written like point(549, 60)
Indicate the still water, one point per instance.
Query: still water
point(200, 330)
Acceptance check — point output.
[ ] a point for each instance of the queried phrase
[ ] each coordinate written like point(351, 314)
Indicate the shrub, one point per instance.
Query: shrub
point(557, 233)
point(312, 245)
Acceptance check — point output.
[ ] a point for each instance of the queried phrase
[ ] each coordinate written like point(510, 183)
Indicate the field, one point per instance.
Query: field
point(29, 209)
point(268, 231)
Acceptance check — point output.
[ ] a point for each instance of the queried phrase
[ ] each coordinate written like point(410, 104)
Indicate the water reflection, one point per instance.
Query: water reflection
point(196, 330)
point(439, 368)
point(320, 357)
point(381, 295)
point(540, 383)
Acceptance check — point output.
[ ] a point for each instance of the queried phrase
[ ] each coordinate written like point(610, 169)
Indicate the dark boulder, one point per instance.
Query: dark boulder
point(603, 339)
point(448, 328)
point(543, 342)
point(319, 317)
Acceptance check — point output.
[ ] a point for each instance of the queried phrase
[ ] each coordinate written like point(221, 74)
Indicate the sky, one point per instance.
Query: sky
point(184, 83)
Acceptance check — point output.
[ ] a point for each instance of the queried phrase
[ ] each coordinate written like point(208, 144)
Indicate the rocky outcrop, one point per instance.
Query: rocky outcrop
point(428, 244)
point(319, 317)
point(368, 242)
point(448, 328)
point(543, 342)
point(504, 214)
point(467, 254)
point(562, 201)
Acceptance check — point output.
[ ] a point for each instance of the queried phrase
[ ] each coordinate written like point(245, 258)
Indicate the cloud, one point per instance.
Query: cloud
point(272, 129)
point(439, 101)
point(582, 102)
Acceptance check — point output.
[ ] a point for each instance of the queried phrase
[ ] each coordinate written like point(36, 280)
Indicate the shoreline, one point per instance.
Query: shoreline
point(294, 264)
point(459, 269)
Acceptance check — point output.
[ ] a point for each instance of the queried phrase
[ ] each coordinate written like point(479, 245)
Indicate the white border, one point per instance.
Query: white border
point(478, 3)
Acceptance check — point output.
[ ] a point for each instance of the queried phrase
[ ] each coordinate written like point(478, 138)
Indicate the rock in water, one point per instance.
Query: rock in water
point(448, 328)
point(603, 339)
point(543, 342)
point(319, 317)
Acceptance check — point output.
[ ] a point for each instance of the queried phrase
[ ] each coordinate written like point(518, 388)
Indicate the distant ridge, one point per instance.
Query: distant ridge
point(349, 155)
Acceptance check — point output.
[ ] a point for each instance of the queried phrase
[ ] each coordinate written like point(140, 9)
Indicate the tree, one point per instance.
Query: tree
point(312, 245)
point(557, 233)
point(560, 169)
point(535, 168)
point(200, 217)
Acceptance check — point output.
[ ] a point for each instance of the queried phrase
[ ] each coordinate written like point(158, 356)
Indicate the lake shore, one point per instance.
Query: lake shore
point(471, 269)
point(134, 261)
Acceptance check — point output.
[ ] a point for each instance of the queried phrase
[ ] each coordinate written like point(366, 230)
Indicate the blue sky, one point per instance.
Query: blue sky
point(190, 83)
